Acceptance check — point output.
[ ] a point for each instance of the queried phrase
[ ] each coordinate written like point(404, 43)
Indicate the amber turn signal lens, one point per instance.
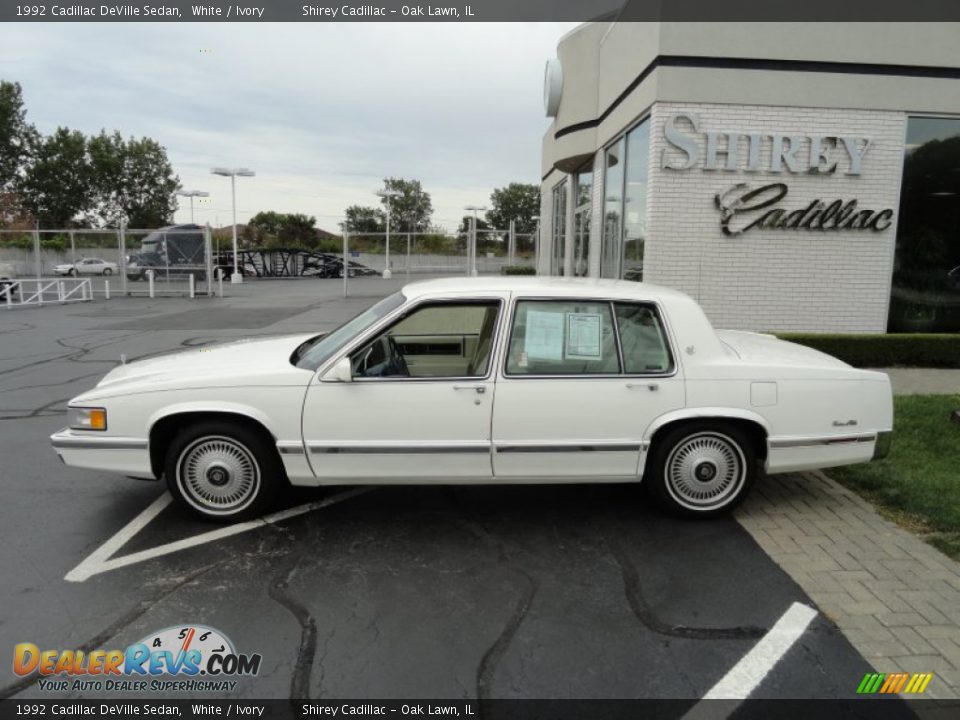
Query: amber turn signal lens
point(89, 419)
point(98, 419)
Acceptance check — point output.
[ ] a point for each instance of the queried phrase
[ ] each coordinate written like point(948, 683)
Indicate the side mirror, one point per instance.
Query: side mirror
point(342, 371)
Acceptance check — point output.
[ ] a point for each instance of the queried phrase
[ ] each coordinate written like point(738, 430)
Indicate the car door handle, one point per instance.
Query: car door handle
point(479, 389)
point(651, 386)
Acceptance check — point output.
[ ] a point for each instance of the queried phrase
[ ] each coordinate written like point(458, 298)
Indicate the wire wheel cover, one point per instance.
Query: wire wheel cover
point(705, 470)
point(218, 475)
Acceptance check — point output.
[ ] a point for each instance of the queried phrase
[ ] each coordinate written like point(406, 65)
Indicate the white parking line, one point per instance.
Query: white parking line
point(101, 560)
point(744, 677)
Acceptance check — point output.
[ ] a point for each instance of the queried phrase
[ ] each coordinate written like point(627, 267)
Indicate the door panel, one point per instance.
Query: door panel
point(419, 406)
point(576, 427)
point(565, 408)
point(413, 430)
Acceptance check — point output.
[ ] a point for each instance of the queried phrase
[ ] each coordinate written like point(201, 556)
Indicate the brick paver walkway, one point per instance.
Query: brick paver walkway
point(895, 598)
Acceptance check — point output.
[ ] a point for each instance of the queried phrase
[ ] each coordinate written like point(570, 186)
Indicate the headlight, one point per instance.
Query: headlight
point(88, 419)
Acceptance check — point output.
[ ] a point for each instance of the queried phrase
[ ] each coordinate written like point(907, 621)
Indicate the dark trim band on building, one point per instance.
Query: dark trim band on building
point(720, 63)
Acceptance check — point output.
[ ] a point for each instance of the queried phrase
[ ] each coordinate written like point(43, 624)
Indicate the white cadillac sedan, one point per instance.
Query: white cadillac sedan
point(505, 380)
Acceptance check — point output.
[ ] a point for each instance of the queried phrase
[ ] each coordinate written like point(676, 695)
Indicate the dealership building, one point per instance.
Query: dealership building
point(789, 176)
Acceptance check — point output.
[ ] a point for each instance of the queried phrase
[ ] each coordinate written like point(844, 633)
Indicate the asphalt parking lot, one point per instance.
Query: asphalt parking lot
point(446, 592)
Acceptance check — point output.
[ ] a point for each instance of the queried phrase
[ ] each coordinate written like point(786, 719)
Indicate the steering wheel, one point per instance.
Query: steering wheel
point(397, 364)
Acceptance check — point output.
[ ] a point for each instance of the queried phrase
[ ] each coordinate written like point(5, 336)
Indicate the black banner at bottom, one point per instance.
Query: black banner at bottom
point(859, 709)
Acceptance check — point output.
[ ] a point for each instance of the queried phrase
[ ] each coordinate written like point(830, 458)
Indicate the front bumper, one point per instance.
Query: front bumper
point(109, 453)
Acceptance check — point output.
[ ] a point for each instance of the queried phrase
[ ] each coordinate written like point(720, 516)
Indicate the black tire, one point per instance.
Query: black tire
point(237, 471)
point(108, 271)
point(701, 469)
point(72, 272)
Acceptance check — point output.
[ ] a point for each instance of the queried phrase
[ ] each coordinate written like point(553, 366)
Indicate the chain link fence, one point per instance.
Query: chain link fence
point(175, 261)
point(181, 260)
point(438, 254)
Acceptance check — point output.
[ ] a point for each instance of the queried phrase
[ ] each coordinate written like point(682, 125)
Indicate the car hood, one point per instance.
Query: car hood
point(250, 362)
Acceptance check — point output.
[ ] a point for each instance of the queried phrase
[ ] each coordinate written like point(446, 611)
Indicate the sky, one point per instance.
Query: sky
point(321, 112)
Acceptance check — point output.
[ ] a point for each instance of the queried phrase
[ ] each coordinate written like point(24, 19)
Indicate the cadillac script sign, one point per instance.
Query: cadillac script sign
point(744, 206)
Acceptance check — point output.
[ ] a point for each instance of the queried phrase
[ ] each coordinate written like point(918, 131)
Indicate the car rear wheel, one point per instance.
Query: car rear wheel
point(223, 472)
point(702, 469)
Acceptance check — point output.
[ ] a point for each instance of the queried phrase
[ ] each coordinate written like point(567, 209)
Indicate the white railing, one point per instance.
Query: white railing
point(45, 291)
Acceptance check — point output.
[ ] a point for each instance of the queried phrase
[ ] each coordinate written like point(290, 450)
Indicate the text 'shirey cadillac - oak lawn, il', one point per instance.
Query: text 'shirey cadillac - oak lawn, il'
point(539, 380)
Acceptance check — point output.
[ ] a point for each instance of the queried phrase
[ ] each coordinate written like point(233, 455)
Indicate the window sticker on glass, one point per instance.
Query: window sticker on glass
point(543, 339)
point(583, 336)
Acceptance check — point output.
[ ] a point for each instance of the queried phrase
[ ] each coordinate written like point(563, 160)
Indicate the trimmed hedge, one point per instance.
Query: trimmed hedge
point(908, 350)
point(518, 270)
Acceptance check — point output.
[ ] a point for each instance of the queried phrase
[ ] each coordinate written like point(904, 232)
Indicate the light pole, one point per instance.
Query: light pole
point(233, 173)
point(192, 194)
point(387, 193)
point(473, 238)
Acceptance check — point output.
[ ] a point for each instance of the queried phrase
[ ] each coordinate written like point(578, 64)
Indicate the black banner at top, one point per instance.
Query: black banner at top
point(479, 11)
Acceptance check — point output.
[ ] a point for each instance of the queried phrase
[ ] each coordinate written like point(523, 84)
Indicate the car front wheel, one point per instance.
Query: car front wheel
point(223, 472)
point(107, 271)
point(702, 469)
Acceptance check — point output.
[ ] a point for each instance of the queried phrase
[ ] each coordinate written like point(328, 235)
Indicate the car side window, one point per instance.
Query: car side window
point(437, 340)
point(562, 337)
point(643, 340)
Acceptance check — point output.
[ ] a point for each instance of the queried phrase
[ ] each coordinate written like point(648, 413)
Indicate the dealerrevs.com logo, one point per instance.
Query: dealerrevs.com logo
point(184, 658)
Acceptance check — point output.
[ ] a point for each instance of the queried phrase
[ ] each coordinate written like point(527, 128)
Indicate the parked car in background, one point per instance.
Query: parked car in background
point(7, 276)
point(485, 380)
point(87, 266)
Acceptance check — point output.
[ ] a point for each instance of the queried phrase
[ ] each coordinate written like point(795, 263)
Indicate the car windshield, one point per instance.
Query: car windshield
point(319, 351)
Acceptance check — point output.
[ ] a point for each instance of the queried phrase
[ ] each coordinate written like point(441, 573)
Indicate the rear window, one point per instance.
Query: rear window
point(643, 340)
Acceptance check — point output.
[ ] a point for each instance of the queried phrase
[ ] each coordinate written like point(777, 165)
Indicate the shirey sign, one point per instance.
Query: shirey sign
point(744, 207)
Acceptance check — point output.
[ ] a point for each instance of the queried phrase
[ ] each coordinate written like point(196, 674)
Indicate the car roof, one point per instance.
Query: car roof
point(544, 286)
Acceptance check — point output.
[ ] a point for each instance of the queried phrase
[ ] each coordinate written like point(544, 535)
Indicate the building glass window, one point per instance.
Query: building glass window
point(558, 248)
point(581, 221)
point(926, 271)
point(612, 210)
point(625, 204)
point(635, 201)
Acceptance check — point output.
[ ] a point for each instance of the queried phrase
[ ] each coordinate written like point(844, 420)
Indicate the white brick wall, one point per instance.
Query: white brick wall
point(802, 280)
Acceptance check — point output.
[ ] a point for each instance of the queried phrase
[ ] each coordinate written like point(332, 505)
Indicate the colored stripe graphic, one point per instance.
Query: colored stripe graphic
point(894, 683)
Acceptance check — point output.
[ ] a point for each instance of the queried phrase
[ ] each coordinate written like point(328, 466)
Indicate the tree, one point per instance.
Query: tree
point(412, 209)
point(299, 229)
point(282, 229)
point(57, 184)
point(464, 226)
point(263, 226)
point(516, 201)
point(17, 136)
point(133, 181)
point(361, 219)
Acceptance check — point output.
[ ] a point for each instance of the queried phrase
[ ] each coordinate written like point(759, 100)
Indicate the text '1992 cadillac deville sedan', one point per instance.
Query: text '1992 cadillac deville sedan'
point(534, 380)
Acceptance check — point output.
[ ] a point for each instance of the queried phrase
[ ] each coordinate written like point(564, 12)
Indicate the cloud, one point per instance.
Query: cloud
point(322, 112)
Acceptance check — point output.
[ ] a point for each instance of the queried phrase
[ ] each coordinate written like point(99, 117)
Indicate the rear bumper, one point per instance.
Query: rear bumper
point(792, 454)
point(122, 455)
point(882, 447)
